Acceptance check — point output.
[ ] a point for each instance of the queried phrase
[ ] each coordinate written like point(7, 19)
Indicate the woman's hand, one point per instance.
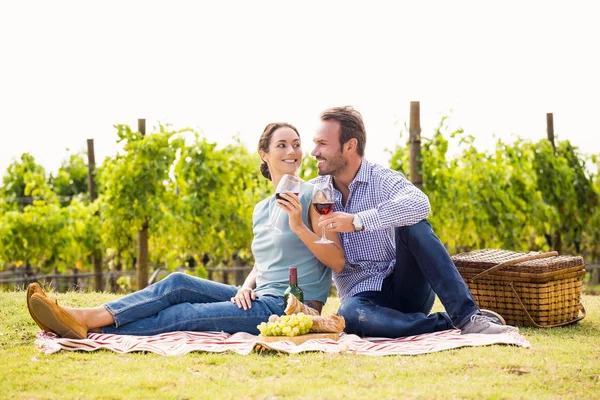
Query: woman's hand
point(244, 297)
point(291, 205)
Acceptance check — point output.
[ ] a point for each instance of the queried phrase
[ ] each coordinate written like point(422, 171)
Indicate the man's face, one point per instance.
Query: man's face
point(328, 152)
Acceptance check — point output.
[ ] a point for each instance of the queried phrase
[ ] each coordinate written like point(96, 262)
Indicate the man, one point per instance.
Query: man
point(395, 264)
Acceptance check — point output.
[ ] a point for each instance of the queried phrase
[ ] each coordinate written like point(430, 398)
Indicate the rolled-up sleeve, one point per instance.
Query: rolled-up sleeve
point(404, 205)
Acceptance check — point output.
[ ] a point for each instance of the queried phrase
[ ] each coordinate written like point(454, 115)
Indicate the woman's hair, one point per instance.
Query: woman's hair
point(265, 141)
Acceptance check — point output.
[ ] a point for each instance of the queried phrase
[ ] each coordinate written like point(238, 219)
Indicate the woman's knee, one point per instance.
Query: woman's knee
point(177, 279)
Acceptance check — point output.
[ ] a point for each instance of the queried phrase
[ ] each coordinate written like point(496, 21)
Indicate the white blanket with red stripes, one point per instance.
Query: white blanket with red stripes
point(178, 343)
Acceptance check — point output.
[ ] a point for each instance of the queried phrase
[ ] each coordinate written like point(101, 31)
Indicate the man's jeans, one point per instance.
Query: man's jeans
point(423, 269)
point(185, 303)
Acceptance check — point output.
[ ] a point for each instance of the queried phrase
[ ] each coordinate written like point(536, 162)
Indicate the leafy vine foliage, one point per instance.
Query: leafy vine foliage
point(34, 228)
point(521, 196)
point(197, 200)
point(71, 179)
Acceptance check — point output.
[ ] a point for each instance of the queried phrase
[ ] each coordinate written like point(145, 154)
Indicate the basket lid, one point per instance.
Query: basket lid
point(487, 258)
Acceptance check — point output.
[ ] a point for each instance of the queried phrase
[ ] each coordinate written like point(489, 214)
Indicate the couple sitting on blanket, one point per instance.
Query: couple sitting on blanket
point(388, 264)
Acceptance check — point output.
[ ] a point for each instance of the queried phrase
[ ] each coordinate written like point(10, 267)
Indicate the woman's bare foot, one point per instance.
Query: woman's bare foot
point(93, 318)
point(55, 318)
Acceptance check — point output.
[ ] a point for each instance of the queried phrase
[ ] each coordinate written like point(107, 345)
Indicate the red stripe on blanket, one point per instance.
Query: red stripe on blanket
point(178, 343)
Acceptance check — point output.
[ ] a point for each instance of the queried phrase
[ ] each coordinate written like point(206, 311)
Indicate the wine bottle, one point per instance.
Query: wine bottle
point(293, 289)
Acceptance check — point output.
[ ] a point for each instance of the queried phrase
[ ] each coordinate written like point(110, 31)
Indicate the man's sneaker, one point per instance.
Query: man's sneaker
point(494, 316)
point(479, 323)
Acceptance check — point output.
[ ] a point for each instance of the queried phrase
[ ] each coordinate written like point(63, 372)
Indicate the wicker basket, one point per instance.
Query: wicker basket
point(527, 289)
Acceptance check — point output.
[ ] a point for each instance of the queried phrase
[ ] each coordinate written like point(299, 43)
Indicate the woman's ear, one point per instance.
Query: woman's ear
point(262, 155)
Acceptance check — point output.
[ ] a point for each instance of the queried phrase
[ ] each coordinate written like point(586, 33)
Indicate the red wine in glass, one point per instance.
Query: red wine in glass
point(287, 184)
point(278, 196)
point(322, 200)
point(323, 208)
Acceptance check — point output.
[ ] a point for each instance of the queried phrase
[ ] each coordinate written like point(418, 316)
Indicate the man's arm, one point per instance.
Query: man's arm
point(404, 205)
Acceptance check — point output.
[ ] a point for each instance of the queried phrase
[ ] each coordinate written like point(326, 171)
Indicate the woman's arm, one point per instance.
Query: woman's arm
point(331, 254)
point(245, 295)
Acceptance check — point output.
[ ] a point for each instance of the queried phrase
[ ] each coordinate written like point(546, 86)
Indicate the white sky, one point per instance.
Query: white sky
point(69, 70)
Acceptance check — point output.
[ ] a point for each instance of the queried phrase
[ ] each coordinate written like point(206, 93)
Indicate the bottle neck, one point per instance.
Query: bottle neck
point(293, 277)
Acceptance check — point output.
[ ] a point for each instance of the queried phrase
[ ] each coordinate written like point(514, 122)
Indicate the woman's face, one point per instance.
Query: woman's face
point(285, 153)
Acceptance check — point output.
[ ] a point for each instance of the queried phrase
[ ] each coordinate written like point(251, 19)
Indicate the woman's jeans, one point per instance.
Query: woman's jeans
point(423, 269)
point(182, 302)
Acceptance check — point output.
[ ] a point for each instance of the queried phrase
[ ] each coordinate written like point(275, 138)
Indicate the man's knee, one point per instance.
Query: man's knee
point(355, 312)
point(421, 232)
point(420, 227)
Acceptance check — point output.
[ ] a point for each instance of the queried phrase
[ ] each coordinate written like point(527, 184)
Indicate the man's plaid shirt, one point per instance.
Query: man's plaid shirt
point(383, 199)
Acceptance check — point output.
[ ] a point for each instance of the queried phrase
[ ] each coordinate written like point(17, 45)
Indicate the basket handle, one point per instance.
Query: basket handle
point(547, 326)
point(515, 261)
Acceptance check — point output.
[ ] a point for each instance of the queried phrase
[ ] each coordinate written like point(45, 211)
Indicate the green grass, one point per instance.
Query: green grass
point(563, 363)
point(592, 288)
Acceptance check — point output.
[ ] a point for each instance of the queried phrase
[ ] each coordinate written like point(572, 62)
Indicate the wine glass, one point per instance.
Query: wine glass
point(287, 184)
point(323, 202)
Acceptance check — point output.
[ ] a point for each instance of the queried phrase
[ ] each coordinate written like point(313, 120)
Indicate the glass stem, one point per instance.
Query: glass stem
point(323, 234)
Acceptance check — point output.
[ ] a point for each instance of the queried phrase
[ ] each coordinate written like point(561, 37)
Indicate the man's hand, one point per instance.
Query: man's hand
point(244, 297)
point(337, 222)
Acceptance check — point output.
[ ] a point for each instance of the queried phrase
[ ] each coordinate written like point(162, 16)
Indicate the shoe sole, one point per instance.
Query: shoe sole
point(49, 317)
point(31, 290)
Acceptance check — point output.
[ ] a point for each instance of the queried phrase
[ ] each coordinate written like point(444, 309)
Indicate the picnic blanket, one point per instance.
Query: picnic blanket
point(178, 343)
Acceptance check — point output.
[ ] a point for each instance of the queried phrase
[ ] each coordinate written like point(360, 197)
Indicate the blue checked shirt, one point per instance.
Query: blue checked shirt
point(383, 199)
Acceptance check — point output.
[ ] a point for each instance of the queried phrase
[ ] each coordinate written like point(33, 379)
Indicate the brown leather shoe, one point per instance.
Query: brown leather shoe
point(56, 318)
point(32, 289)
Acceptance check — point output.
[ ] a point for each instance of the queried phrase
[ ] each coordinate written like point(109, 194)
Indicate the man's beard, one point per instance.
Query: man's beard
point(335, 165)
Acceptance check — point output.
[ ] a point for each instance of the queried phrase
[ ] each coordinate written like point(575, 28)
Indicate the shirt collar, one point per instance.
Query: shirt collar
point(364, 172)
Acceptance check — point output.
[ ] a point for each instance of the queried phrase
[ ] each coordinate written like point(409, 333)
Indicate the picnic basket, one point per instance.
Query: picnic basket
point(527, 289)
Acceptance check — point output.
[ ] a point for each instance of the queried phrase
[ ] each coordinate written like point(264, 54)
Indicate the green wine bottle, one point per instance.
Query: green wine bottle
point(293, 289)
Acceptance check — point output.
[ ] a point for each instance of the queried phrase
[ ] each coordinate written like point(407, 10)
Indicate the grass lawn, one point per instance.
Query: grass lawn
point(563, 363)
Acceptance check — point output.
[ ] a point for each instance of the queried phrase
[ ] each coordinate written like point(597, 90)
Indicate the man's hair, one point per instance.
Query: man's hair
point(351, 125)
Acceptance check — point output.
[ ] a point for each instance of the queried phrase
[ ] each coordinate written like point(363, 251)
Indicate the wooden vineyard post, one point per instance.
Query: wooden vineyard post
point(142, 237)
point(556, 239)
point(415, 145)
point(550, 129)
point(97, 255)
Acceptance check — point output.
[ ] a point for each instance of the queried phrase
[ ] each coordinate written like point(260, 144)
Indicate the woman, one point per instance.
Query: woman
point(185, 303)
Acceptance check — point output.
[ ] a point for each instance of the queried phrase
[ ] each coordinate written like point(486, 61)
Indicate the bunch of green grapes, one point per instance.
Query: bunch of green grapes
point(286, 325)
